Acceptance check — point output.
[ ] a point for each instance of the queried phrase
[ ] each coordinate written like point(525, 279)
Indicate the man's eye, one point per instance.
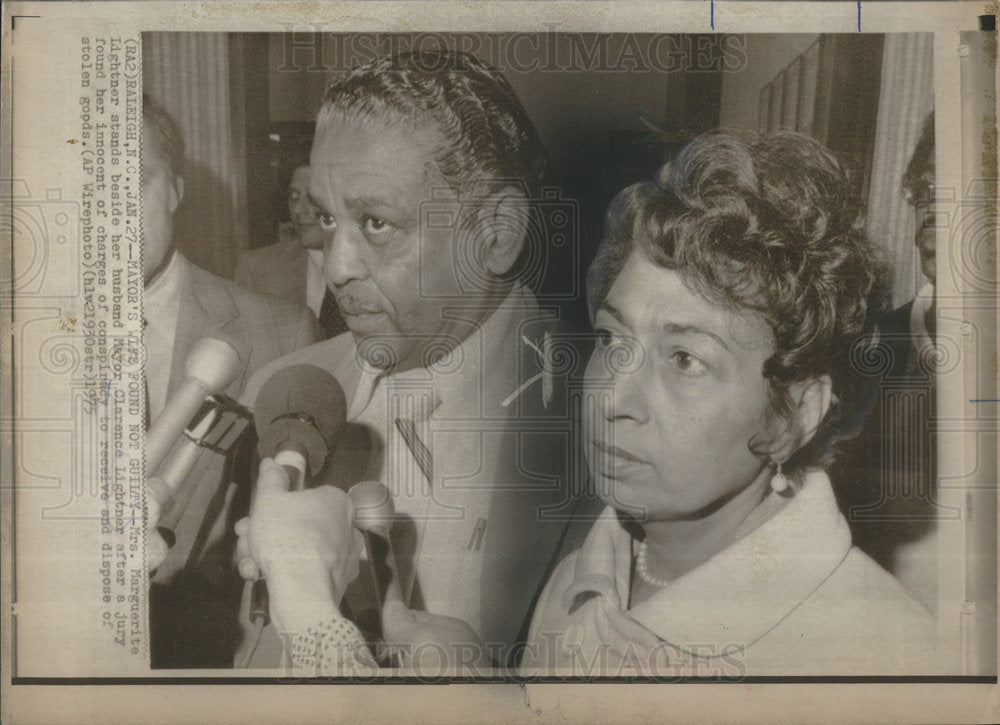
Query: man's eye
point(687, 363)
point(374, 225)
point(326, 221)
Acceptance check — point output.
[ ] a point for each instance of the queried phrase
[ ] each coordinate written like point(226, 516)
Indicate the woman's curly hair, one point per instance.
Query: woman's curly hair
point(770, 228)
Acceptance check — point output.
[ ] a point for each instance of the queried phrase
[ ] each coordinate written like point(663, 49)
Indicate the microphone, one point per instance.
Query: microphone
point(217, 426)
point(298, 414)
point(373, 514)
point(177, 467)
point(163, 488)
point(211, 366)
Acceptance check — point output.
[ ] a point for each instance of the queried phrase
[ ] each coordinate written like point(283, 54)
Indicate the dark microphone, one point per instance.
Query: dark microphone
point(298, 414)
point(210, 367)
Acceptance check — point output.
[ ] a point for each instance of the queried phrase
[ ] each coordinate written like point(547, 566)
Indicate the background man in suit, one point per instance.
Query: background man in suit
point(425, 170)
point(887, 476)
point(292, 269)
point(193, 586)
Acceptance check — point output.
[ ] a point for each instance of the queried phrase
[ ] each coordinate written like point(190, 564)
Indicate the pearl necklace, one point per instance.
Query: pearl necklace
point(642, 568)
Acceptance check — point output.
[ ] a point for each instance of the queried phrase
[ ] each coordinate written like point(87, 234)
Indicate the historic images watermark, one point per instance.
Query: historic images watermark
point(319, 48)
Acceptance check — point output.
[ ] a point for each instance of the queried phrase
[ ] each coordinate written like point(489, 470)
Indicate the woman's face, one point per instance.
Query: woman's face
point(675, 393)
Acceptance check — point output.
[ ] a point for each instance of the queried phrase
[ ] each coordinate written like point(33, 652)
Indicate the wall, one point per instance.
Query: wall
point(189, 75)
point(767, 55)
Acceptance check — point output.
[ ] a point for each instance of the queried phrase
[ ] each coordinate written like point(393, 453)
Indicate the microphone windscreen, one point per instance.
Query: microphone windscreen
point(215, 362)
point(211, 366)
point(295, 404)
point(373, 506)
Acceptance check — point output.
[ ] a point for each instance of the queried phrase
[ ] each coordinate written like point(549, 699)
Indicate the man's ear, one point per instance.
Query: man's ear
point(178, 193)
point(504, 219)
point(812, 399)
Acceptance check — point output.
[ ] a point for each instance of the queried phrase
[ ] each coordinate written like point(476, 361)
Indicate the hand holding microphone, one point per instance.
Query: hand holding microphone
point(304, 543)
point(298, 413)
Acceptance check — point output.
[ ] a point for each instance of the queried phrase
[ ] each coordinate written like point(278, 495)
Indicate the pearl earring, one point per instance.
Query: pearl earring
point(779, 482)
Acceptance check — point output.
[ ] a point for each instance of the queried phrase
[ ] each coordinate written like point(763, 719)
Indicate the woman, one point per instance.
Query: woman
point(730, 296)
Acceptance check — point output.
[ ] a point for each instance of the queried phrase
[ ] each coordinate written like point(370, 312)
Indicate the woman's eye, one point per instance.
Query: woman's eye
point(687, 363)
point(603, 338)
point(374, 225)
point(326, 221)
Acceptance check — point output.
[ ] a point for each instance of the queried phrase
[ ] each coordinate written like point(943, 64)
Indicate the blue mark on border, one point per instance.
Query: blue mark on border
point(859, 16)
point(984, 400)
point(711, 13)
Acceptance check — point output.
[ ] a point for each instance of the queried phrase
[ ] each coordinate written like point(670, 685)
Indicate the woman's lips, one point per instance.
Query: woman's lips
point(613, 461)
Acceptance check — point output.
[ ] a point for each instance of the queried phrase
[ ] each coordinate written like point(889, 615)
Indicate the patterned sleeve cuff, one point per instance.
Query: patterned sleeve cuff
point(332, 648)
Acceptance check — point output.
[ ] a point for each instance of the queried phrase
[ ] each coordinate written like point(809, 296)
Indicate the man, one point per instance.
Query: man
point(913, 324)
point(887, 475)
point(423, 168)
point(292, 269)
point(194, 584)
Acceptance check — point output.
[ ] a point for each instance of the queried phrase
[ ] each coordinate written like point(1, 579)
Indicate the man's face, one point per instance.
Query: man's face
point(302, 212)
point(161, 193)
point(926, 240)
point(926, 225)
point(388, 271)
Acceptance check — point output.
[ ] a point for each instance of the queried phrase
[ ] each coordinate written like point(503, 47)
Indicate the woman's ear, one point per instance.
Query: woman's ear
point(809, 402)
point(178, 193)
point(504, 219)
point(813, 401)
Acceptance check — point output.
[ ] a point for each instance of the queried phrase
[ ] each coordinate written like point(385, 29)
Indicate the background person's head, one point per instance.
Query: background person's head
point(391, 135)
point(162, 184)
point(732, 293)
point(301, 211)
point(293, 180)
point(918, 188)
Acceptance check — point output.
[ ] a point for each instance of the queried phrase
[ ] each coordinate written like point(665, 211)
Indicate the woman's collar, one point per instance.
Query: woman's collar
point(743, 591)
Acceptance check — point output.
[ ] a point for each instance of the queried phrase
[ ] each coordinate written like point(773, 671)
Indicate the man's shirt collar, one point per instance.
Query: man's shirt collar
point(458, 378)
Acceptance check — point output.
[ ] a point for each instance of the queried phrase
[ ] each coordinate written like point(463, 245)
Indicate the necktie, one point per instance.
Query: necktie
point(329, 316)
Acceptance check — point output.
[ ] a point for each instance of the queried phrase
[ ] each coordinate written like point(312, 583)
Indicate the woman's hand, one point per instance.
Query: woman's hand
point(432, 643)
point(304, 543)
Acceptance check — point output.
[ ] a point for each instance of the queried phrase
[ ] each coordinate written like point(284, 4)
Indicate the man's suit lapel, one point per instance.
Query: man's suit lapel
point(280, 270)
point(205, 307)
point(294, 263)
